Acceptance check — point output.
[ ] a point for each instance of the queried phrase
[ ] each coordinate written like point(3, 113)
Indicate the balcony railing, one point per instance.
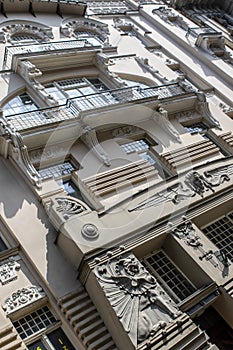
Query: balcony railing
point(39, 48)
point(75, 106)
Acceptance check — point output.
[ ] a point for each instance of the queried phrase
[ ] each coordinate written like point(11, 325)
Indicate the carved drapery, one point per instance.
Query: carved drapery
point(20, 152)
point(193, 184)
point(8, 270)
point(22, 297)
point(161, 117)
point(90, 139)
point(139, 302)
point(202, 107)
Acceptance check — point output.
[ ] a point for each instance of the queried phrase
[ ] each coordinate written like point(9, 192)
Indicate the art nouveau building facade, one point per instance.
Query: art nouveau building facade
point(116, 153)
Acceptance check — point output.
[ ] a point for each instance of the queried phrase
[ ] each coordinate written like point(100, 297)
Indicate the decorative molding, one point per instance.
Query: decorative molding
point(72, 27)
point(22, 298)
point(144, 62)
point(139, 302)
point(161, 117)
point(30, 73)
point(202, 107)
point(47, 153)
point(90, 139)
point(102, 61)
point(67, 207)
point(11, 28)
point(126, 130)
point(192, 185)
point(8, 270)
point(20, 152)
point(187, 233)
point(90, 231)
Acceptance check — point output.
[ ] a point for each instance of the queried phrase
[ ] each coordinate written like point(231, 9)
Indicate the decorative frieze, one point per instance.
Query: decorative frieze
point(193, 184)
point(8, 270)
point(139, 302)
point(22, 298)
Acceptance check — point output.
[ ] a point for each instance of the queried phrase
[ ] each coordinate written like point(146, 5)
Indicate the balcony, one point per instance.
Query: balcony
point(19, 51)
point(74, 107)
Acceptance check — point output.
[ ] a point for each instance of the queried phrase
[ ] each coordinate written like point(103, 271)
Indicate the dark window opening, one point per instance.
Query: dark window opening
point(220, 333)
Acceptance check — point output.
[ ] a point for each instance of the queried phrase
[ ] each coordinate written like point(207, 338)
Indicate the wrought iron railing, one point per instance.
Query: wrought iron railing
point(16, 50)
point(74, 106)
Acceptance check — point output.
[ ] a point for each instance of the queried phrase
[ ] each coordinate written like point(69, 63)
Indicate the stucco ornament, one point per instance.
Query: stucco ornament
point(8, 270)
point(90, 231)
point(186, 232)
point(137, 299)
point(193, 184)
point(22, 297)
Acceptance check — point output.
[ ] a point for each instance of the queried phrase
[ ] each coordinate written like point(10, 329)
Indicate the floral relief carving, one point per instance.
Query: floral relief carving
point(8, 270)
point(140, 303)
point(22, 297)
point(69, 207)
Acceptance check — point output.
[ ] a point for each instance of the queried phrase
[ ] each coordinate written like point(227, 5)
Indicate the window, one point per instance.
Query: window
point(41, 320)
point(171, 278)
point(20, 104)
point(56, 340)
point(3, 245)
point(23, 38)
point(56, 171)
point(79, 88)
point(35, 322)
point(200, 128)
point(71, 189)
point(220, 232)
point(142, 148)
point(90, 36)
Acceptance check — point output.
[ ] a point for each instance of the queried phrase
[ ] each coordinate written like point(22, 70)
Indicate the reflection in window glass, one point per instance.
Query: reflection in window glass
point(20, 104)
point(2, 245)
point(57, 170)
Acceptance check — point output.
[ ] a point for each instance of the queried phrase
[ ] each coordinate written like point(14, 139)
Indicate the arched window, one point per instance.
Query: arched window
point(19, 104)
point(25, 32)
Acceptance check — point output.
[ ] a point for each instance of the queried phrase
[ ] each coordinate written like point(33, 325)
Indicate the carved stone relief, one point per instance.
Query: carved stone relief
point(8, 270)
point(193, 184)
point(34, 30)
point(125, 131)
point(186, 232)
point(71, 28)
point(22, 297)
point(139, 302)
point(67, 207)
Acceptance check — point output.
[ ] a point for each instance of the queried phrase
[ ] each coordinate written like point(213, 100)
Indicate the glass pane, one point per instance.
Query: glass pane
point(37, 346)
point(60, 340)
